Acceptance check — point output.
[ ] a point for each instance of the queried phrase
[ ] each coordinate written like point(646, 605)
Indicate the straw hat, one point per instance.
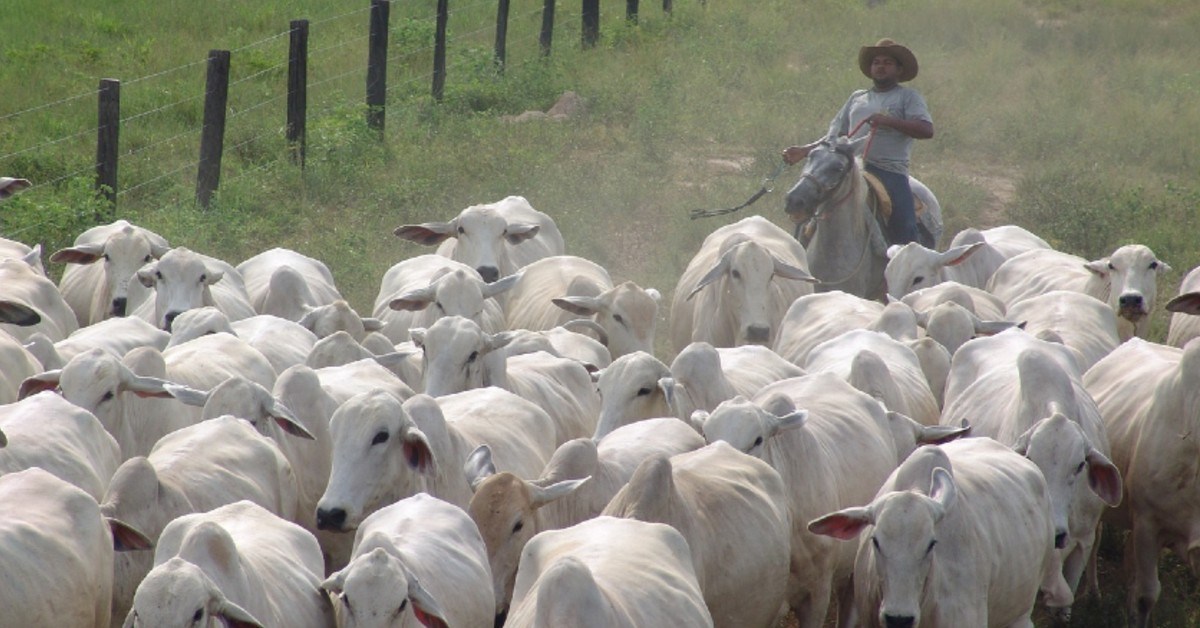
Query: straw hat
point(904, 56)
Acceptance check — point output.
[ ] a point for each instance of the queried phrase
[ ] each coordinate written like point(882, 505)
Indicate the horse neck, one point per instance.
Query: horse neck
point(846, 211)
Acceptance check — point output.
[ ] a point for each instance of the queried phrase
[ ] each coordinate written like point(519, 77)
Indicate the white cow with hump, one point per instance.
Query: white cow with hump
point(57, 549)
point(574, 578)
point(384, 451)
point(19, 363)
point(971, 258)
point(1149, 396)
point(419, 290)
point(238, 564)
point(738, 285)
point(418, 562)
point(835, 452)
point(47, 431)
point(702, 376)
point(96, 291)
point(941, 545)
point(1185, 311)
point(31, 303)
point(495, 239)
point(556, 291)
point(1126, 280)
point(1028, 394)
point(460, 356)
point(578, 482)
point(195, 469)
point(881, 367)
point(183, 279)
point(1082, 322)
point(713, 495)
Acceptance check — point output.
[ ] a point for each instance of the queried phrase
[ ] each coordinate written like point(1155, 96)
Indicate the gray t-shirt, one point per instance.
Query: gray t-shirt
point(890, 149)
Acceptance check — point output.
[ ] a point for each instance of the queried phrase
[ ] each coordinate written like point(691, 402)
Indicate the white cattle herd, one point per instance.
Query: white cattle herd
point(189, 441)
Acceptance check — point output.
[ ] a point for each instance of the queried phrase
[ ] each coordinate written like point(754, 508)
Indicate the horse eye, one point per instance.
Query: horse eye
point(380, 438)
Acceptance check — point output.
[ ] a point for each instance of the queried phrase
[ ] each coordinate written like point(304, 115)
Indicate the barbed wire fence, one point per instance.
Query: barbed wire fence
point(156, 133)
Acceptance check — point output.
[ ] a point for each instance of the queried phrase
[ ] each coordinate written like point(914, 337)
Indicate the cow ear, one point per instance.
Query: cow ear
point(542, 496)
point(1021, 445)
point(334, 583)
point(371, 324)
point(84, 254)
point(788, 271)
point(413, 300)
point(479, 466)
point(712, 275)
point(943, 491)
point(843, 524)
point(1187, 303)
point(1098, 267)
point(500, 285)
point(1103, 477)
point(417, 335)
point(127, 538)
point(893, 250)
point(517, 233)
point(287, 421)
point(418, 453)
point(212, 275)
point(698, 419)
point(959, 254)
point(236, 616)
point(38, 383)
point(425, 608)
point(579, 306)
point(147, 274)
point(18, 314)
point(428, 233)
point(185, 395)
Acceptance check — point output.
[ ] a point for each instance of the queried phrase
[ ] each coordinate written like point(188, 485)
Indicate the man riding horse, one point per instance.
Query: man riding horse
point(895, 115)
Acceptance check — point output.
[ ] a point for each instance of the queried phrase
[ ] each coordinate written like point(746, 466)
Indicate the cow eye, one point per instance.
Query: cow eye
point(380, 438)
point(1154, 265)
point(439, 306)
point(617, 317)
point(1111, 267)
point(918, 279)
point(198, 615)
point(471, 358)
point(931, 544)
point(461, 230)
point(157, 275)
point(107, 396)
point(403, 605)
point(346, 601)
point(203, 278)
point(735, 274)
point(758, 441)
point(517, 526)
point(107, 258)
point(1081, 466)
point(875, 544)
point(642, 392)
point(147, 258)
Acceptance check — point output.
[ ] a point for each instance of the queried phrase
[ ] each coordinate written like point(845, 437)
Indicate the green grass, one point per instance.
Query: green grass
point(1075, 119)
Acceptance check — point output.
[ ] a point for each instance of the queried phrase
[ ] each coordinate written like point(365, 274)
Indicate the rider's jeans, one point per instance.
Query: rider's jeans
point(902, 226)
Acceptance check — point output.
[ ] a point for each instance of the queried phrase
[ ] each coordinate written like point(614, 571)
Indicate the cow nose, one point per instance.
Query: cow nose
point(1130, 301)
point(758, 333)
point(170, 319)
point(332, 519)
point(1060, 540)
point(896, 621)
point(489, 273)
point(118, 306)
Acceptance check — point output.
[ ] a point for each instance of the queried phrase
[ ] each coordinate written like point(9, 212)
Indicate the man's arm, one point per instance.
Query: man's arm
point(916, 129)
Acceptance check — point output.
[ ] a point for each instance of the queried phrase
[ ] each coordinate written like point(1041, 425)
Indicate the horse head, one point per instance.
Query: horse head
point(826, 168)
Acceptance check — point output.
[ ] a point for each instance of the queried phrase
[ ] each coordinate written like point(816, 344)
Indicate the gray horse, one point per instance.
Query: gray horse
point(846, 246)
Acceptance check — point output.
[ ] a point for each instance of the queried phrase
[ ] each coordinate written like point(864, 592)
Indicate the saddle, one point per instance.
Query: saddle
point(881, 202)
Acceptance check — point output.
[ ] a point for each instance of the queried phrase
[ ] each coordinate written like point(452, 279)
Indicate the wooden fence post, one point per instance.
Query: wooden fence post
point(212, 136)
point(297, 100)
point(547, 34)
point(591, 23)
point(377, 64)
point(501, 32)
point(631, 11)
point(108, 140)
point(439, 50)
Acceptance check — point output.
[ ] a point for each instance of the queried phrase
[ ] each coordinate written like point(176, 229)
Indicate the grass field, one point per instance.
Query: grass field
point(1073, 118)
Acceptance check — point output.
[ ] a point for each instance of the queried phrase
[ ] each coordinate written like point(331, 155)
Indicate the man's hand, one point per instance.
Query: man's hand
point(794, 154)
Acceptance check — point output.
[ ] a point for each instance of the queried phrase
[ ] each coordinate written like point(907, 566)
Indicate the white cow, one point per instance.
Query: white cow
point(183, 279)
point(31, 303)
point(298, 288)
point(553, 291)
point(1185, 311)
point(117, 336)
point(971, 258)
point(941, 545)
point(495, 239)
point(56, 552)
point(702, 376)
point(47, 431)
point(1148, 396)
point(460, 356)
point(1029, 396)
point(420, 550)
point(738, 285)
point(99, 291)
point(410, 287)
point(1126, 280)
point(195, 469)
point(573, 577)
point(630, 390)
point(284, 343)
point(238, 564)
point(815, 318)
point(880, 366)
point(564, 343)
point(1082, 322)
point(31, 255)
point(978, 301)
point(836, 452)
point(577, 483)
point(712, 496)
point(384, 452)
